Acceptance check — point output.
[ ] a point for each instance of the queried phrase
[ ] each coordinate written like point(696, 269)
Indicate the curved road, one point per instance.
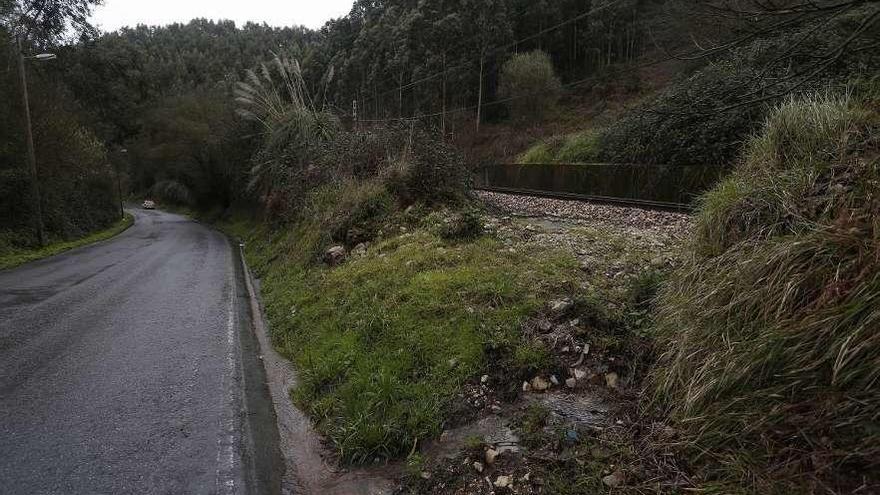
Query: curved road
point(129, 367)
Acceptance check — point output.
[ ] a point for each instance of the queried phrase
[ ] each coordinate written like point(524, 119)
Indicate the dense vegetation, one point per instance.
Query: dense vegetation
point(785, 275)
point(335, 149)
point(77, 183)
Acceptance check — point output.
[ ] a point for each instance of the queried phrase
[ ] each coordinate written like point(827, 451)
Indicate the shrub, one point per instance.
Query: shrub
point(461, 225)
point(531, 84)
point(771, 371)
point(426, 170)
point(350, 212)
point(696, 120)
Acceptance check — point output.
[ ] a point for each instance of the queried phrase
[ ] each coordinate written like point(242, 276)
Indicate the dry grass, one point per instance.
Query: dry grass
point(773, 352)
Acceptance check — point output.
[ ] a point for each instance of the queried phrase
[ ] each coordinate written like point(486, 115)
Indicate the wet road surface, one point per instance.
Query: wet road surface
point(128, 367)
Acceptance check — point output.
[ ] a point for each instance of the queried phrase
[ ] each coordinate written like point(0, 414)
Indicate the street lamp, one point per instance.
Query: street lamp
point(32, 157)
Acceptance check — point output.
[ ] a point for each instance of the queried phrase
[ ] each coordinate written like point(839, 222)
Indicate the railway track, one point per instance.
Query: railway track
point(656, 187)
point(608, 200)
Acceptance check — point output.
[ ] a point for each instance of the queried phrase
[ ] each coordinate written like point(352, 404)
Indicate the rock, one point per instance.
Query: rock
point(565, 350)
point(335, 255)
point(360, 250)
point(561, 306)
point(478, 466)
point(611, 379)
point(554, 380)
point(571, 383)
point(453, 362)
point(578, 374)
point(502, 482)
point(491, 455)
point(426, 475)
point(526, 387)
point(545, 326)
point(484, 379)
point(495, 408)
point(539, 384)
point(613, 479)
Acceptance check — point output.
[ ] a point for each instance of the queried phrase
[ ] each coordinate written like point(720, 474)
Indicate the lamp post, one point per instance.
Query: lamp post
point(29, 137)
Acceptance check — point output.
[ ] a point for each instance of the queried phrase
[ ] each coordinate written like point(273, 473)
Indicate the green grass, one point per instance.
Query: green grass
point(539, 153)
point(579, 147)
point(383, 343)
point(18, 257)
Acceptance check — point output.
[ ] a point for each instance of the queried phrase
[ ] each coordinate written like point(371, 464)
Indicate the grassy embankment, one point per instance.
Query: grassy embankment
point(770, 372)
point(13, 257)
point(385, 341)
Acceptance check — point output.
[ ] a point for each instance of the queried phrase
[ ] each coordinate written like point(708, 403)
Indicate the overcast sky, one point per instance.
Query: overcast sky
point(311, 13)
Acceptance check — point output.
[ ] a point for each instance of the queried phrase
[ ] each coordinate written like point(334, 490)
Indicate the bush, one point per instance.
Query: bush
point(462, 225)
point(352, 211)
point(427, 170)
point(685, 125)
point(531, 84)
point(773, 354)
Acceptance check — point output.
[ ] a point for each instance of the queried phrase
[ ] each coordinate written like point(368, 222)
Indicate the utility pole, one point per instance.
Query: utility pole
point(32, 157)
point(354, 112)
point(480, 92)
point(443, 113)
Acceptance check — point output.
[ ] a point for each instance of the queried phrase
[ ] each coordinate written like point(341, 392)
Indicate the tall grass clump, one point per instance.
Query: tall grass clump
point(295, 128)
point(772, 331)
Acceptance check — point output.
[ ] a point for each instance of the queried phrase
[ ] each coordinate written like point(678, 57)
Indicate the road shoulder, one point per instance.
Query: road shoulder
point(20, 257)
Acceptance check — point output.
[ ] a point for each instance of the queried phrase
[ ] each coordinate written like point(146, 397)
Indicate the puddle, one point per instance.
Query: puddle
point(585, 411)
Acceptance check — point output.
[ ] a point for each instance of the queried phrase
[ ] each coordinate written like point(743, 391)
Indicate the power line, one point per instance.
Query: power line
point(509, 99)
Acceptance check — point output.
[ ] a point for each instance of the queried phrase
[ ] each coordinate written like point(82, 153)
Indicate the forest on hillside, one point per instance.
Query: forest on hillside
point(165, 93)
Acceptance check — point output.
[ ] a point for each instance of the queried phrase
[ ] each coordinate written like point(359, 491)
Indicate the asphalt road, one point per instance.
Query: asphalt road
point(129, 367)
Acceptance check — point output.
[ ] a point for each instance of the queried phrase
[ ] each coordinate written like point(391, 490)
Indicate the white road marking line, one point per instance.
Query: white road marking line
point(226, 442)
